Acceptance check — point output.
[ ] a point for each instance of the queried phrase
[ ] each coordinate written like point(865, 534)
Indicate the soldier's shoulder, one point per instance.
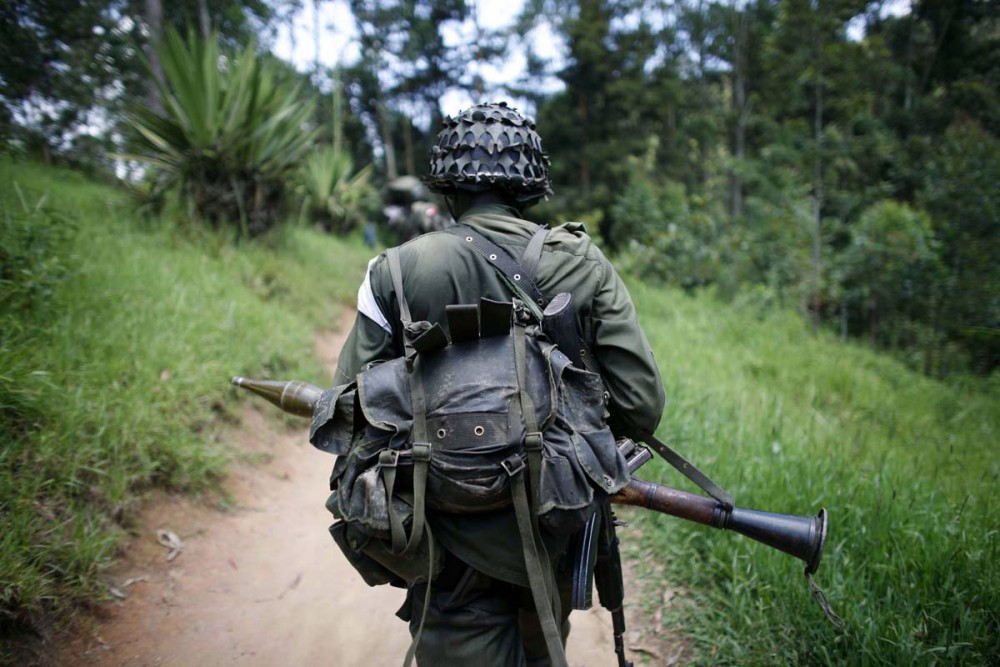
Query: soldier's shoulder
point(572, 237)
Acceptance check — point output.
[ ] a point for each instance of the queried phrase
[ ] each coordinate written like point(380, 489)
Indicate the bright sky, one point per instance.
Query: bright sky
point(338, 45)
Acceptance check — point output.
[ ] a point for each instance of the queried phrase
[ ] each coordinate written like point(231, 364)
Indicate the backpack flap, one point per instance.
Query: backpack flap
point(332, 428)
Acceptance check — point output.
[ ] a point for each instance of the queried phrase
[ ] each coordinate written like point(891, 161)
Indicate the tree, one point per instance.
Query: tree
point(962, 197)
point(67, 69)
point(889, 266)
point(404, 71)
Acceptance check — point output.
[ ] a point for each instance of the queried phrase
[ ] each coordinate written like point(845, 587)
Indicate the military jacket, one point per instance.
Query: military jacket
point(439, 269)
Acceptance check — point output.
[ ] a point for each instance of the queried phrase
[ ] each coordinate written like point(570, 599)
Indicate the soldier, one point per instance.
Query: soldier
point(489, 165)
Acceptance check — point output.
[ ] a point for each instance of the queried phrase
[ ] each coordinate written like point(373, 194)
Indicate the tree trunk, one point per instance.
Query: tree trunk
point(411, 165)
point(817, 244)
point(316, 42)
point(204, 21)
point(742, 109)
point(584, 163)
point(873, 322)
point(154, 26)
point(387, 145)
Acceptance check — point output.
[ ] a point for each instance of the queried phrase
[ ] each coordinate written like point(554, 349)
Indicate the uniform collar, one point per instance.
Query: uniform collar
point(497, 218)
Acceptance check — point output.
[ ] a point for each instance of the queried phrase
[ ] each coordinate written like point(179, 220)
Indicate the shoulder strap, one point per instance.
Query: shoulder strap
point(520, 278)
point(533, 253)
point(396, 273)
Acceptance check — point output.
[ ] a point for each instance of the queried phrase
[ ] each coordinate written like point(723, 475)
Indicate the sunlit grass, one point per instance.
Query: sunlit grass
point(790, 422)
point(118, 381)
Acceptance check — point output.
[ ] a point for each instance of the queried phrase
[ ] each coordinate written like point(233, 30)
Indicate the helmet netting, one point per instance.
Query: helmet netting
point(489, 146)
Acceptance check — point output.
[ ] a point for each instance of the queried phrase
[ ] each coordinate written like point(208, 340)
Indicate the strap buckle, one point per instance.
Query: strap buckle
point(388, 458)
point(513, 464)
point(420, 452)
point(533, 441)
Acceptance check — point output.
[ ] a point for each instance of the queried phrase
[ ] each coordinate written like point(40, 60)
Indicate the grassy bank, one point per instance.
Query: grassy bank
point(117, 339)
point(118, 335)
point(789, 422)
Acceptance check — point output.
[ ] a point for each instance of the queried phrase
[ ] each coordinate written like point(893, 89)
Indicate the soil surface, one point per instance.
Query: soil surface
point(259, 581)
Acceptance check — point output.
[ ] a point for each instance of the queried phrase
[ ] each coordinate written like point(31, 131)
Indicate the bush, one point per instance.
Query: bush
point(231, 134)
point(331, 195)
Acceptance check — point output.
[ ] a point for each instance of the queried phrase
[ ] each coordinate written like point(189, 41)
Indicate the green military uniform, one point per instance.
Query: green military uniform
point(475, 614)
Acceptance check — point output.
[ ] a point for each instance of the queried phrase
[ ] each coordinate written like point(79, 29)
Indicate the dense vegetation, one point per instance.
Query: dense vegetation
point(117, 339)
point(776, 180)
point(838, 155)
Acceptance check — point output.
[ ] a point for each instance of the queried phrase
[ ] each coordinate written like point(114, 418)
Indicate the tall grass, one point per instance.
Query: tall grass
point(114, 377)
point(791, 422)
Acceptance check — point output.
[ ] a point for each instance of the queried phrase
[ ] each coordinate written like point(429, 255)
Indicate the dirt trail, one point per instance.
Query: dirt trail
point(261, 582)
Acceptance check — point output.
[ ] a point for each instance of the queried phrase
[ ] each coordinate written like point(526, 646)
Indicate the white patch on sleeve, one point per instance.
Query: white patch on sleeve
point(367, 305)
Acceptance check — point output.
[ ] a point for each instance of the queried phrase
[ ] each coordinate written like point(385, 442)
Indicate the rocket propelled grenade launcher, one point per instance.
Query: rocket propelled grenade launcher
point(799, 536)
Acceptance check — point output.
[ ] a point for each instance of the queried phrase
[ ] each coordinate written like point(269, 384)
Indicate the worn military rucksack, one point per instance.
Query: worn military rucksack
point(496, 417)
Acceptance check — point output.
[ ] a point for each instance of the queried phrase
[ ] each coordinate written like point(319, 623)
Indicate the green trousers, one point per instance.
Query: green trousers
point(474, 619)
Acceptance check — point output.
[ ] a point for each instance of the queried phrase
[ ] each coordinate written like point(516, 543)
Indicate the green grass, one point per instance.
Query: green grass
point(118, 336)
point(790, 422)
point(117, 340)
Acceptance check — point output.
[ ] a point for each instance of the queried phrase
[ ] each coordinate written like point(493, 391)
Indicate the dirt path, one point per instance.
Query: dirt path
point(260, 582)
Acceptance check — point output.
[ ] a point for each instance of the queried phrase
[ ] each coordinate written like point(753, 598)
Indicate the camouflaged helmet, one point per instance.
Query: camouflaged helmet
point(490, 147)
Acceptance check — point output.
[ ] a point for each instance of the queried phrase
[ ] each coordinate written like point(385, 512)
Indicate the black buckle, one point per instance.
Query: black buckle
point(513, 464)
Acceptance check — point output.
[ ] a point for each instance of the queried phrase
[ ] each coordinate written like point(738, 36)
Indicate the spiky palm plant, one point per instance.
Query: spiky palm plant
point(330, 194)
point(232, 131)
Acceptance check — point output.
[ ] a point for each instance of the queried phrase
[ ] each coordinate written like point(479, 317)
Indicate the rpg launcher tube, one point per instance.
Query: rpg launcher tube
point(799, 536)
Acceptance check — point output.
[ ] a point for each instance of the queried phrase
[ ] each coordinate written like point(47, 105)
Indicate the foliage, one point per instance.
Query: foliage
point(889, 266)
point(67, 68)
point(331, 195)
point(666, 241)
point(232, 132)
point(792, 422)
point(113, 373)
point(962, 197)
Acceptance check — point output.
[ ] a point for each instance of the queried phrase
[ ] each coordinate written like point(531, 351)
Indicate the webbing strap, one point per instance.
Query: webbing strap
point(533, 253)
point(820, 597)
point(689, 470)
point(539, 571)
point(421, 449)
point(521, 371)
point(396, 272)
point(412, 651)
point(388, 460)
point(503, 262)
point(533, 449)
